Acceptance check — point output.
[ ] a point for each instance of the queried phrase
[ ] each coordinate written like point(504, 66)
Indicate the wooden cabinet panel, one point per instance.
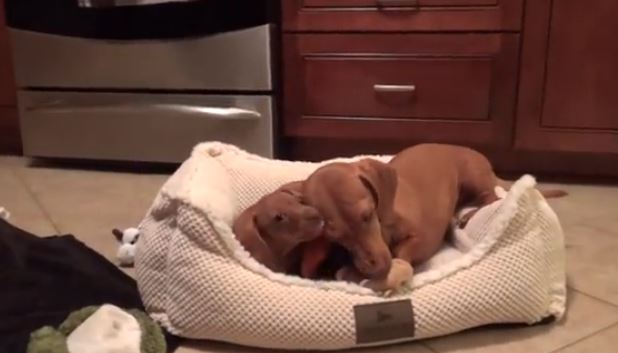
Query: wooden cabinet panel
point(426, 15)
point(398, 87)
point(395, 3)
point(7, 86)
point(465, 87)
point(10, 141)
point(568, 95)
point(581, 88)
point(10, 138)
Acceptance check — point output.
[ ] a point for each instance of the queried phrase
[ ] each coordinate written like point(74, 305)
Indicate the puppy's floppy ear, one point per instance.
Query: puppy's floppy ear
point(381, 180)
point(118, 234)
point(294, 188)
point(247, 232)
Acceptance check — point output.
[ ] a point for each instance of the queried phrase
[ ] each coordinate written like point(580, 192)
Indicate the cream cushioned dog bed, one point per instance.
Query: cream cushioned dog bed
point(196, 280)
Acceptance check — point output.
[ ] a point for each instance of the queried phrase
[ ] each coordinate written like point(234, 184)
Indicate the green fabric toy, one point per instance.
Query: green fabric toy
point(51, 340)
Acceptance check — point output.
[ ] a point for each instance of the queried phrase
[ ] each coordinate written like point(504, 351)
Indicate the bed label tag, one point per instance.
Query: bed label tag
point(384, 321)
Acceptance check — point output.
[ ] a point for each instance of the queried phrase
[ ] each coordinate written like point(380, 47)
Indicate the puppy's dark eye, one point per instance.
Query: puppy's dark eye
point(279, 217)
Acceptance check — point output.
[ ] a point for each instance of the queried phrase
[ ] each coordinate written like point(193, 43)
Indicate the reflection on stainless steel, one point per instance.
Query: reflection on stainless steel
point(153, 127)
point(132, 108)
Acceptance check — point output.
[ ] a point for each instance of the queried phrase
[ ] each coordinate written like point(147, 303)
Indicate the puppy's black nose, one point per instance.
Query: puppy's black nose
point(374, 267)
point(381, 273)
point(380, 265)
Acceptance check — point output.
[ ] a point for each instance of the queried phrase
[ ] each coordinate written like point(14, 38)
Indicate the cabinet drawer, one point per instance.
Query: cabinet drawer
point(417, 87)
point(398, 87)
point(395, 3)
point(401, 15)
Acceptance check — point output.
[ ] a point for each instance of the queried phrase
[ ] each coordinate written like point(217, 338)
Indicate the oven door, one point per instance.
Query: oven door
point(141, 127)
point(196, 45)
point(230, 61)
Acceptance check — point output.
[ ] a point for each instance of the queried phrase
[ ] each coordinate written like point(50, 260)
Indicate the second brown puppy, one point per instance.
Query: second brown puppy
point(275, 227)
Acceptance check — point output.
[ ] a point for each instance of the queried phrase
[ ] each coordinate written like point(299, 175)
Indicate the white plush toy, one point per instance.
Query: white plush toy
point(4, 214)
point(127, 239)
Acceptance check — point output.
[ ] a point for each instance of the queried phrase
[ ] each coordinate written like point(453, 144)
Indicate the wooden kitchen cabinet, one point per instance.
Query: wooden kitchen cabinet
point(401, 71)
point(531, 84)
point(569, 81)
point(10, 141)
point(401, 15)
point(455, 88)
point(7, 86)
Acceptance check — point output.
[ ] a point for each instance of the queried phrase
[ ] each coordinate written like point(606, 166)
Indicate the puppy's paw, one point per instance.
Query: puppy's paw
point(400, 274)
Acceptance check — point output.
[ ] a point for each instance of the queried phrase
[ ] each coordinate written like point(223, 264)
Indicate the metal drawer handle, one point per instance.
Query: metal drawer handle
point(386, 3)
point(394, 88)
point(132, 108)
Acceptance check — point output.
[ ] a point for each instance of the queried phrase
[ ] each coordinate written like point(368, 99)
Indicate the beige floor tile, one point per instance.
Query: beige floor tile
point(592, 266)
point(603, 342)
point(584, 203)
point(607, 222)
point(215, 347)
point(89, 204)
point(24, 209)
point(13, 161)
point(585, 316)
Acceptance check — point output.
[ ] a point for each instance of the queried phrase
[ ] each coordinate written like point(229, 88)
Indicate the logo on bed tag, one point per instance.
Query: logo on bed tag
point(384, 321)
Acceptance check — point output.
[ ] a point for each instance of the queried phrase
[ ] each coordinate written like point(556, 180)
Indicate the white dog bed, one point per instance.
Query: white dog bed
point(198, 282)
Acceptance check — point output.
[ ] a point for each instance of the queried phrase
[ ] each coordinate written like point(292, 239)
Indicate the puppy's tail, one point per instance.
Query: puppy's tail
point(548, 194)
point(553, 193)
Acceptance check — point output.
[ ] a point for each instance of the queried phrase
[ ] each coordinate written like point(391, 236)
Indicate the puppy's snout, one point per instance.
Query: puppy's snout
point(314, 216)
point(376, 265)
point(381, 265)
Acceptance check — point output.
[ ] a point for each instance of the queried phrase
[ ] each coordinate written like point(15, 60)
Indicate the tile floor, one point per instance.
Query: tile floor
point(89, 204)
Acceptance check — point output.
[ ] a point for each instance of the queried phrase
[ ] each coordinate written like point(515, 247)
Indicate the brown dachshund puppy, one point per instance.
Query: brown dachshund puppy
point(353, 198)
point(433, 181)
point(398, 210)
point(273, 228)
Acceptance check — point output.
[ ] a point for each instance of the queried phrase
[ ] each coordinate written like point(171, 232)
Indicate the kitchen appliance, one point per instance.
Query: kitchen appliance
point(143, 83)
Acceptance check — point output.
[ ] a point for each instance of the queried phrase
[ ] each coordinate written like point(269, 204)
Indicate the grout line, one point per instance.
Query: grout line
point(597, 227)
point(428, 347)
point(557, 350)
point(604, 301)
point(36, 201)
point(588, 222)
point(611, 326)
